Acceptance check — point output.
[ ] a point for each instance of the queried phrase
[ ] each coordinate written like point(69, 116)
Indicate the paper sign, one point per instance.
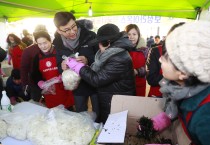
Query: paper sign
point(114, 128)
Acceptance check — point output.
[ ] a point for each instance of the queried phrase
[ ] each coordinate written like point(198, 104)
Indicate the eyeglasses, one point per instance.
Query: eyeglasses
point(73, 27)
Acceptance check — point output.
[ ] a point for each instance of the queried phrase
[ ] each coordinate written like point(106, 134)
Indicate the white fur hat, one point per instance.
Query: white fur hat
point(188, 47)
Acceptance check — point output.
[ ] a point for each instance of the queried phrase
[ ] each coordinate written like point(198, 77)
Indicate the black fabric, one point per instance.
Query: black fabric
point(154, 67)
point(84, 89)
point(106, 32)
point(3, 54)
point(116, 77)
point(1, 86)
point(15, 74)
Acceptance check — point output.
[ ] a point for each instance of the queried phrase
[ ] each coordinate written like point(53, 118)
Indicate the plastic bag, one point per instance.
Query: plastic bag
point(51, 82)
point(60, 126)
point(49, 85)
point(57, 126)
point(49, 90)
point(17, 124)
point(70, 79)
point(3, 130)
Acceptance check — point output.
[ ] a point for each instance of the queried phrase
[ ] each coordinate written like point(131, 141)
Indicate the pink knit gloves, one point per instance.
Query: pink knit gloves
point(74, 65)
point(161, 121)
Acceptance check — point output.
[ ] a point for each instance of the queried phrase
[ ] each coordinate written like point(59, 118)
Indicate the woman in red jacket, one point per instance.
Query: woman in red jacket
point(15, 50)
point(45, 69)
point(139, 56)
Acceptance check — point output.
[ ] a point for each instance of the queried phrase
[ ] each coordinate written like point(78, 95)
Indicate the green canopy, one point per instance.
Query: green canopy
point(18, 9)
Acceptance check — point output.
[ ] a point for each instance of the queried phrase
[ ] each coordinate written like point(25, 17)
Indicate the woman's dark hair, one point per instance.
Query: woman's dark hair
point(16, 39)
point(105, 43)
point(133, 26)
point(43, 34)
point(62, 18)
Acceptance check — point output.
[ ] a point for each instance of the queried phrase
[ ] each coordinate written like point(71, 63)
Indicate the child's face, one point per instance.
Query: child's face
point(17, 81)
point(168, 70)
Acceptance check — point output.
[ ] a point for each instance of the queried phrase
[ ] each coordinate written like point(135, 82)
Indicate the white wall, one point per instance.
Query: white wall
point(205, 15)
point(3, 36)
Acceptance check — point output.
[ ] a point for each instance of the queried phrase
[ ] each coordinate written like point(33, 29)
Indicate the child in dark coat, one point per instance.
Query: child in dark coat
point(14, 88)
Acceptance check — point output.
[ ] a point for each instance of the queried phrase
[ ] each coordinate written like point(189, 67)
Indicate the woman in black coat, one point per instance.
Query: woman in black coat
point(112, 72)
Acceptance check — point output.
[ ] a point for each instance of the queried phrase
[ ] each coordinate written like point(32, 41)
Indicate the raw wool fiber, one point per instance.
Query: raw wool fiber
point(17, 124)
point(70, 79)
point(76, 127)
point(3, 130)
point(61, 127)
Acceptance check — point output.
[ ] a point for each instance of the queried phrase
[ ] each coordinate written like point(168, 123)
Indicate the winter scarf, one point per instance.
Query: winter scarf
point(174, 92)
point(101, 58)
point(71, 44)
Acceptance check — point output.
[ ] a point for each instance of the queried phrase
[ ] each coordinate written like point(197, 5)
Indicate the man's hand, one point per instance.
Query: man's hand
point(82, 59)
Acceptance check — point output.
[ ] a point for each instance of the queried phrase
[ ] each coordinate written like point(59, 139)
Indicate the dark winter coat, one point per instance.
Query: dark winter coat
point(84, 89)
point(199, 124)
point(12, 89)
point(27, 63)
point(154, 71)
point(115, 77)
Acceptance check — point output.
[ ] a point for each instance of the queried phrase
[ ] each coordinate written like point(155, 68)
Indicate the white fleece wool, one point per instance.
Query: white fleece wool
point(61, 127)
point(17, 130)
point(3, 130)
point(70, 79)
point(16, 125)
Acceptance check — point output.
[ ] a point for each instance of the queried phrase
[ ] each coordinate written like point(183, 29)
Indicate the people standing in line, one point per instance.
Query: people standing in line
point(139, 57)
point(45, 74)
point(112, 72)
point(27, 39)
point(14, 88)
point(150, 41)
point(153, 66)
point(29, 87)
point(15, 50)
point(71, 38)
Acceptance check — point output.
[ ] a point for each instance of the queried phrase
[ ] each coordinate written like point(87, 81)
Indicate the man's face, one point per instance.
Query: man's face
point(69, 30)
point(17, 81)
point(157, 40)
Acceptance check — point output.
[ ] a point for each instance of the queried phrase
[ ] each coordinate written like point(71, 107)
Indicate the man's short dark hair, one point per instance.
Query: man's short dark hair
point(157, 36)
point(15, 74)
point(62, 18)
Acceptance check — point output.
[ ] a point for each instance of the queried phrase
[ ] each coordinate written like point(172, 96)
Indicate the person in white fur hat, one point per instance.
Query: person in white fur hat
point(186, 84)
point(186, 81)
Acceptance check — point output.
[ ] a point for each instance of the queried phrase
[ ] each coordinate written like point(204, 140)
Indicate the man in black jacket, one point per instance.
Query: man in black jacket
point(71, 38)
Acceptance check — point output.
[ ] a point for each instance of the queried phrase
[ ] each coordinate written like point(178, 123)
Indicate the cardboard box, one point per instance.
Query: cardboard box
point(149, 107)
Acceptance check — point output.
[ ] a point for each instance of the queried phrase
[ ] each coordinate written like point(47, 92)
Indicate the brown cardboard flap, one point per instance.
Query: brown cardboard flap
point(149, 107)
point(181, 136)
point(137, 107)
